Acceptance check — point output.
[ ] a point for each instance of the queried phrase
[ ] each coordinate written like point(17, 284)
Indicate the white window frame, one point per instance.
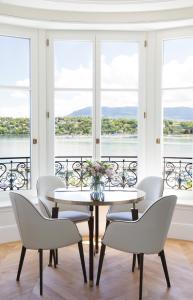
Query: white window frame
point(96, 37)
point(158, 126)
point(32, 35)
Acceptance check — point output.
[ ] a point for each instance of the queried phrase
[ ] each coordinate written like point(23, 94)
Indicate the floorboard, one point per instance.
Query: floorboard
point(117, 280)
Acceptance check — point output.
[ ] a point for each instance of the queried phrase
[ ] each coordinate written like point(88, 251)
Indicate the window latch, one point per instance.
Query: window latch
point(157, 141)
point(35, 141)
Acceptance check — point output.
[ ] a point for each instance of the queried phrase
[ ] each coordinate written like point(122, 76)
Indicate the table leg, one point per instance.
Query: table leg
point(91, 248)
point(55, 210)
point(96, 229)
point(134, 212)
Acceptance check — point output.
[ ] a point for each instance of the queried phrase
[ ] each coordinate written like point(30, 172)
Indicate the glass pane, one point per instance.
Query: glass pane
point(178, 63)
point(15, 159)
point(73, 64)
point(119, 123)
point(14, 61)
point(178, 123)
point(119, 64)
point(73, 123)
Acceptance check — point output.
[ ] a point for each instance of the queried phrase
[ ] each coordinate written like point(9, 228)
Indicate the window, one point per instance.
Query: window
point(177, 101)
point(119, 98)
point(15, 99)
point(73, 82)
point(95, 88)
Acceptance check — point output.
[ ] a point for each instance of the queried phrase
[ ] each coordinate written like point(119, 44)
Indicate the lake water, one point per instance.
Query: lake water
point(114, 146)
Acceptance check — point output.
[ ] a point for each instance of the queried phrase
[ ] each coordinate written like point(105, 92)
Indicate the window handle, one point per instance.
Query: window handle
point(35, 141)
point(157, 140)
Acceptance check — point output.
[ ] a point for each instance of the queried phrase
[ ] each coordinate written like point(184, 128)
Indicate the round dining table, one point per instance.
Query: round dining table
point(114, 197)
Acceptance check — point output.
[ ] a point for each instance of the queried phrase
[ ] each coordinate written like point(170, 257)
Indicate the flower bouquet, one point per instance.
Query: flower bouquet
point(97, 170)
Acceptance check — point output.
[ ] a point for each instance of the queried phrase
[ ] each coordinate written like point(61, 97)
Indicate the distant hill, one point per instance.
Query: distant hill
point(180, 113)
point(170, 113)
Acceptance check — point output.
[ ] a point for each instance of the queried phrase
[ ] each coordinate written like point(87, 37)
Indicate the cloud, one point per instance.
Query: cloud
point(15, 103)
point(67, 102)
point(77, 78)
point(122, 72)
point(174, 98)
point(177, 74)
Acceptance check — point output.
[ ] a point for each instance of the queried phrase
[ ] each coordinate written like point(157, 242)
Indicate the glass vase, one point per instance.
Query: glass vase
point(97, 188)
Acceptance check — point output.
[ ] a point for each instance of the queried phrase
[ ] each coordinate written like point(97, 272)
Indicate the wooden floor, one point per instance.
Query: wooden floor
point(117, 280)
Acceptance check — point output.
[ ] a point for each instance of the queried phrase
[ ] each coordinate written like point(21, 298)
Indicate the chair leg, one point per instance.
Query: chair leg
point(81, 252)
point(41, 270)
point(141, 276)
point(134, 262)
point(102, 254)
point(50, 259)
point(54, 257)
point(163, 260)
point(56, 253)
point(23, 251)
point(138, 261)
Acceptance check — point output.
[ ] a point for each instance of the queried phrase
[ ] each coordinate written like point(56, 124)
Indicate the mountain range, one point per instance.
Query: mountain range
point(180, 113)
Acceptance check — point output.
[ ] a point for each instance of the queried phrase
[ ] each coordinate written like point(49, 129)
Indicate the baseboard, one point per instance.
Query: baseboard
point(181, 231)
point(9, 233)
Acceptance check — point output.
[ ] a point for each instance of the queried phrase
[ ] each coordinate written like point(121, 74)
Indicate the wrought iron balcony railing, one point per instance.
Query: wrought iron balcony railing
point(15, 173)
point(177, 173)
point(71, 170)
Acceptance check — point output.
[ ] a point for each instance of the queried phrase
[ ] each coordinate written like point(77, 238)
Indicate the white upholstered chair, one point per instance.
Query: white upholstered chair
point(148, 235)
point(40, 233)
point(76, 213)
point(152, 186)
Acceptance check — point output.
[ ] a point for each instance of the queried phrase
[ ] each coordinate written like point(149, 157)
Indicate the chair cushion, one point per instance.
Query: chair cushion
point(120, 216)
point(75, 216)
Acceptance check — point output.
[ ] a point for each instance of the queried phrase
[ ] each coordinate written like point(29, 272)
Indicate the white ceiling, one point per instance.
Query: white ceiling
point(140, 15)
point(102, 5)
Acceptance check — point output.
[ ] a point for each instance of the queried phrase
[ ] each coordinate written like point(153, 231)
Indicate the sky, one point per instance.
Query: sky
point(73, 69)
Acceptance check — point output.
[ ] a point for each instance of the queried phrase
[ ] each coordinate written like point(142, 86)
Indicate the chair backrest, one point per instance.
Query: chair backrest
point(38, 232)
point(50, 183)
point(155, 222)
point(45, 184)
point(152, 186)
point(147, 234)
point(26, 216)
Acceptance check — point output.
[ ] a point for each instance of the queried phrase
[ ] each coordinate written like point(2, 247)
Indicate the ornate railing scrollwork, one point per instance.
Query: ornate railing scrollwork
point(15, 173)
point(177, 173)
point(71, 170)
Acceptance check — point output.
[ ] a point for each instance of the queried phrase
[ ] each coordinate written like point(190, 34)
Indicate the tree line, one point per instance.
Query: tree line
point(83, 126)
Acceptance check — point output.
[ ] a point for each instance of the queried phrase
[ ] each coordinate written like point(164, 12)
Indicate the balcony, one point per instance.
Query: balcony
point(15, 173)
